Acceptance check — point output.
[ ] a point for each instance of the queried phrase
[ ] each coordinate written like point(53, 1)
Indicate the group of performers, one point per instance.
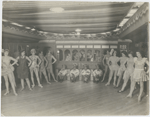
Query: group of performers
point(127, 67)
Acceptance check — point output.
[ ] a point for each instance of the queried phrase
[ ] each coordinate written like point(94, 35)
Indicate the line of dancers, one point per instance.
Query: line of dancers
point(127, 67)
point(33, 64)
point(130, 67)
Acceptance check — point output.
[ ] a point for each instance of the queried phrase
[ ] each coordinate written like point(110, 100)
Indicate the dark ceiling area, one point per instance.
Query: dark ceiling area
point(90, 17)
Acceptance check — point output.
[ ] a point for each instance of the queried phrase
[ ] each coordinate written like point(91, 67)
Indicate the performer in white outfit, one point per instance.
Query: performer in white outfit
point(62, 74)
point(97, 74)
point(85, 73)
point(74, 73)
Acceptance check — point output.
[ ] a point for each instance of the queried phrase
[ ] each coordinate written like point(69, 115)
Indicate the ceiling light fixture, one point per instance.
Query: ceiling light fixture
point(57, 9)
point(4, 20)
point(33, 29)
point(28, 28)
point(17, 24)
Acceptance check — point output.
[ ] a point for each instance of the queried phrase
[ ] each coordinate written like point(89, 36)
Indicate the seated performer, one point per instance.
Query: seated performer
point(85, 73)
point(62, 74)
point(74, 73)
point(97, 74)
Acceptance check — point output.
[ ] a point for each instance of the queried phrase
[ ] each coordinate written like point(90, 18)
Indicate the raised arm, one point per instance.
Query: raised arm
point(15, 61)
point(29, 61)
point(54, 59)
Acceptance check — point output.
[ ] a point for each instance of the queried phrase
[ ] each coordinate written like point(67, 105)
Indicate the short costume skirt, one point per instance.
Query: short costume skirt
point(128, 73)
point(139, 75)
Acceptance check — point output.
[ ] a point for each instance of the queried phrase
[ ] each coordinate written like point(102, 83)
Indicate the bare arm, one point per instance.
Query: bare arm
point(54, 59)
point(29, 61)
point(104, 59)
point(147, 62)
point(46, 61)
point(39, 61)
point(15, 61)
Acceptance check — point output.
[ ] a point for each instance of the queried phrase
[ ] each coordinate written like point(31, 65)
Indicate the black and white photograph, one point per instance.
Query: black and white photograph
point(74, 58)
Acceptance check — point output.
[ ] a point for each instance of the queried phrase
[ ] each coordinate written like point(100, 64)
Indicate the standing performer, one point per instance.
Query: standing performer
point(7, 71)
point(139, 75)
point(43, 66)
point(49, 58)
point(62, 74)
point(122, 68)
point(23, 70)
point(85, 74)
point(74, 73)
point(97, 74)
point(106, 63)
point(128, 72)
point(35, 67)
point(113, 68)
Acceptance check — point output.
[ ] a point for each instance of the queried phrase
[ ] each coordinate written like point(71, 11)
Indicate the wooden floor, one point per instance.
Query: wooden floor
point(63, 99)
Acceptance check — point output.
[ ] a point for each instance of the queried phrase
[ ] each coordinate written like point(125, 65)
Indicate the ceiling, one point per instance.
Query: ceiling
point(90, 17)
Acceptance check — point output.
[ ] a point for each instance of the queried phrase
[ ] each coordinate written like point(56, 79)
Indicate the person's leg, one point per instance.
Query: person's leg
point(125, 83)
point(49, 75)
point(131, 88)
point(45, 75)
point(110, 77)
point(32, 79)
point(53, 75)
point(141, 91)
point(28, 83)
point(119, 78)
point(115, 76)
point(6, 84)
point(22, 84)
point(37, 77)
point(12, 84)
point(106, 69)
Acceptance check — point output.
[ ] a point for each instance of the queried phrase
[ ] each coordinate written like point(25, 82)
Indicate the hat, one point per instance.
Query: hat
point(22, 50)
point(6, 50)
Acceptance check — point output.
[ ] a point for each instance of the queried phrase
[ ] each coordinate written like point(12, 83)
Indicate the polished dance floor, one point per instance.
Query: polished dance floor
point(66, 98)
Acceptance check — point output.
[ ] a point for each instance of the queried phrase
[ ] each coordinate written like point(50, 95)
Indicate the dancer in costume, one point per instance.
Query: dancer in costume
point(23, 70)
point(42, 69)
point(139, 75)
point(129, 71)
point(35, 67)
point(49, 58)
point(7, 71)
point(106, 63)
point(122, 67)
point(113, 62)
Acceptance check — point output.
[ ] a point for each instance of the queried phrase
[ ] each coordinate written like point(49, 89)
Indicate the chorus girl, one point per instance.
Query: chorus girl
point(23, 70)
point(49, 58)
point(85, 73)
point(42, 67)
point(97, 74)
point(74, 73)
point(122, 67)
point(139, 75)
point(113, 68)
point(106, 63)
point(7, 71)
point(35, 67)
point(128, 72)
point(62, 74)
